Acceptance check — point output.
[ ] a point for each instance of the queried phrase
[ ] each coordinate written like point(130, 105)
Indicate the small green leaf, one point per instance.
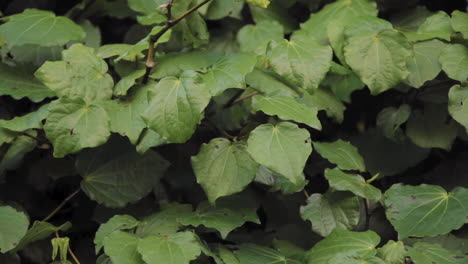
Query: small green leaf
point(287, 108)
point(392, 252)
point(176, 106)
point(260, 3)
point(348, 243)
point(40, 27)
point(127, 82)
point(255, 38)
point(164, 222)
point(283, 148)
point(379, 59)
point(356, 184)
point(422, 253)
point(460, 22)
point(454, 60)
point(458, 104)
point(40, 230)
point(331, 210)
point(425, 210)
point(121, 247)
point(342, 85)
point(229, 72)
point(73, 125)
point(80, 73)
point(341, 153)
point(13, 227)
point(302, 61)
point(28, 121)
point(13, 157)
point(278, 182)
point(435, 26)
point(117, 222)
point(149, 139)
point(254, 254)
point(424, 65)
point(178, 248)
point(390, 119)
point(227, 215)
point(17, 83)
point(223, 168)
point(115, 175)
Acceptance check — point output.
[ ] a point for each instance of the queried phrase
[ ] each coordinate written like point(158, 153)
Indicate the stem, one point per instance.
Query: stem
point(69, 197)
point(373, 178)
point(306, 193)
point(30, 136)
point(154, 38)
point(366, 210)
point(240, 99)
point(69, 250)
point(169, 9)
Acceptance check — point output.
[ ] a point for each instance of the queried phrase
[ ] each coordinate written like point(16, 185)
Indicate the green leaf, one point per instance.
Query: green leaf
point(278, 182)
point(145, 6)
point(219, 9)
point(80, 73)
point(458, 104)
point(432, 128)
point(424, 65)
point(254, 254)
point(13, 157)
point(422, 253)
point(283, 148)
point(17, 83)
point(331, 210)
point(342, 85)
point(192, 30)
point(40, 27)
point(174, 64)
point(437, 25)
point(287, 108)
point(229, 72)
point(425, 210)
point(223, 168)
point(72, 125)
point(348, 243)
point(302, 61)
point(227, 215)
point(344, 259)
point(354, 183)
point(40, 230)
point(60, 246)
point(379, 59)
point(28, 121)
point(343, 10)
point(178, 248)
point(121, 247)
point(454, 60)
point(460, 22)
point(164, 222)
point(255, 38)
point(149, 139)
point(260, 3)
point(267, 84)
point(117, 222)
point(127, 82)
point(115, 175)
point(390, 119)
point(36, 55)
point(277, 11)
point(120, 50)
point(176, 106)
point(13, 227)
point(392, 252)
point(341, 153)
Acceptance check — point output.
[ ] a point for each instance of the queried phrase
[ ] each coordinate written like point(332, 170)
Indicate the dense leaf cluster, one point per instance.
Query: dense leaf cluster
point(234, 132)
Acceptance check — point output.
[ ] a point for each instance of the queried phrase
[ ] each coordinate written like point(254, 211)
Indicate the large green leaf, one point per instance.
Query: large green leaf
point(17, 83)
point(277, 11)
point(115, 175)
point(283, 148)
point(331, 210)
point(458, 104)
point(254, 254)
point(117, 222)
point(356, 184)
point(348, 243)
point(425, 210)
point(177, 248)
point(13, 227)
point(460, 22)
point(229, 72)
point(38, 231)
point(342, 153)
point(302, 61)
point(392, 252)
point(255, 38)
point(72, 125)
point(219, 9)
point(164, 222)
point(435, 26)
point(227, 215)
point(390, 119)
point(424, 65)
point(422, 253)
point(379, 59)
point(176, 106)
point(432, 128)
point(454, 60)
point(343, 10)
point(80, 73)
point(28, 121)
point(286, 108)
point(267, 84)
point(40, 27)
point(223, 168)
point(121, 247)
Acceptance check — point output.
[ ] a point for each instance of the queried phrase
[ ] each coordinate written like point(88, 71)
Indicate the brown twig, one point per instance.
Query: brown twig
point(242, 98)
point(154, 38)
point(69, 197)
point(306, 194)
